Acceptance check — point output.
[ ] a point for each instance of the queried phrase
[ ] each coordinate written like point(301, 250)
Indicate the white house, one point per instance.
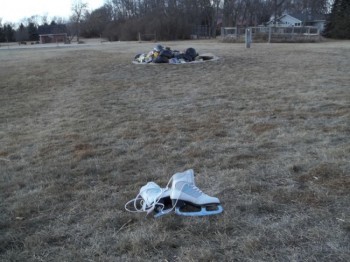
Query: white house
point(285, 20)
point(301, 19)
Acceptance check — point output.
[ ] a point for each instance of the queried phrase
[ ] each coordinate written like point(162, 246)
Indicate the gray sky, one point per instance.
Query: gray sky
point(13, 11)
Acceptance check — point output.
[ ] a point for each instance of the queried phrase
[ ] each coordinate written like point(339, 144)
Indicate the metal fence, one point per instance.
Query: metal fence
point(272, 34)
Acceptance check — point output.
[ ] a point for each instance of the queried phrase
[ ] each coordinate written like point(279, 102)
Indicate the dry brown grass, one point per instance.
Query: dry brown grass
point(266, 129)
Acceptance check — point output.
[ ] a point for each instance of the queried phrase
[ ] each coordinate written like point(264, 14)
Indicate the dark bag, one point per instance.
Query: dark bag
point(161, 59)
point(191, 52)
point(167, 53)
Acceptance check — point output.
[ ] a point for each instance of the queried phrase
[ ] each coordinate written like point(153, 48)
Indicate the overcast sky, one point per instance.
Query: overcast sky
point(13, 11)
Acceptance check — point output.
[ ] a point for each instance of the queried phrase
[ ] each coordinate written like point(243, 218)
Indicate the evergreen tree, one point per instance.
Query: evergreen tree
point(338, 22)
point(22, 33)
point(2, 34)
point(6, 33)
point(33, 32)
point(9, 33)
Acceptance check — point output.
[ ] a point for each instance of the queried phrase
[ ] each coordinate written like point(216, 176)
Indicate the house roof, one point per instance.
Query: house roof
point(279, 19)
point(301, 17)
point(52, 29)
point(307, 17)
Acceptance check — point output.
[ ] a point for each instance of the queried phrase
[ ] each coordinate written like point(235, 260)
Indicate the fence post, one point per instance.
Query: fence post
point(248, 37)
point(269, 34)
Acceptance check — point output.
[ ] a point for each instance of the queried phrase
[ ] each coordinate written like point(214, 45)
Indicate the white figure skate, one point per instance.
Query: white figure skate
point(189, 200)
point(152, 198)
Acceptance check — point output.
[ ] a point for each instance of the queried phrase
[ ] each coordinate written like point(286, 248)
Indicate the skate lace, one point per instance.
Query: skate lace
point(195, 189)
point(140, 206)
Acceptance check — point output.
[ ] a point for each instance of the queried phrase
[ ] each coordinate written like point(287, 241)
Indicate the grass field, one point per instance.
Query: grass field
point(266, 129)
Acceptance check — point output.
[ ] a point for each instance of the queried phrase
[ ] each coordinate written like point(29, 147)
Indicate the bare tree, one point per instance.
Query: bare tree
point(313, 6)
point(95, 22)
point(44, 19)
point(246, 12)
point(78, 9)
point(277, 7)
point(59, 20)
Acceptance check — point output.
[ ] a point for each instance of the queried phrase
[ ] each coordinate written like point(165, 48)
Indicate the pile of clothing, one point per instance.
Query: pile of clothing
point(161, 54)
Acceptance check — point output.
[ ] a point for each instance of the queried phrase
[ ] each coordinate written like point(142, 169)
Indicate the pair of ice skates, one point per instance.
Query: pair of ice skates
point(184, 197)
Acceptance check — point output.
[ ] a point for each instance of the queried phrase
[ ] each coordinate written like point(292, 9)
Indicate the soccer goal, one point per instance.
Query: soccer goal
point(276, 34)
point(232, 32)
point(147, 37)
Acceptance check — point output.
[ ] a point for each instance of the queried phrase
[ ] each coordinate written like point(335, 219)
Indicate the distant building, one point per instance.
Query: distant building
point(301, 19)
point(52, 34)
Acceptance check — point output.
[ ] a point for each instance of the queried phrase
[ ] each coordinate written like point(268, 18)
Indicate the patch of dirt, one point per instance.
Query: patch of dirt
point(261, 128)
point(328, 175)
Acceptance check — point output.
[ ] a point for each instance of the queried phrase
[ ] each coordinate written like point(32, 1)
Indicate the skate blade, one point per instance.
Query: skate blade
point(202, 212)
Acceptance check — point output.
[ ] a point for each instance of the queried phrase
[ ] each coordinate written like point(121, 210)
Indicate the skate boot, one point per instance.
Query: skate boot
point(152, 199)
point(189, 200)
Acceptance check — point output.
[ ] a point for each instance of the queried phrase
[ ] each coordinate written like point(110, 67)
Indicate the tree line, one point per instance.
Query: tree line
point(177, 19)
point(338, 22)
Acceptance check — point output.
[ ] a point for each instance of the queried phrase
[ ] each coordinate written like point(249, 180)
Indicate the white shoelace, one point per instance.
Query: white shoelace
point(144, 207)
point(194, 187)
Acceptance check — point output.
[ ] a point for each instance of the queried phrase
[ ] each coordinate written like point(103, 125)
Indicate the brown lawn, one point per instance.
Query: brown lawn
point(266, 129)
